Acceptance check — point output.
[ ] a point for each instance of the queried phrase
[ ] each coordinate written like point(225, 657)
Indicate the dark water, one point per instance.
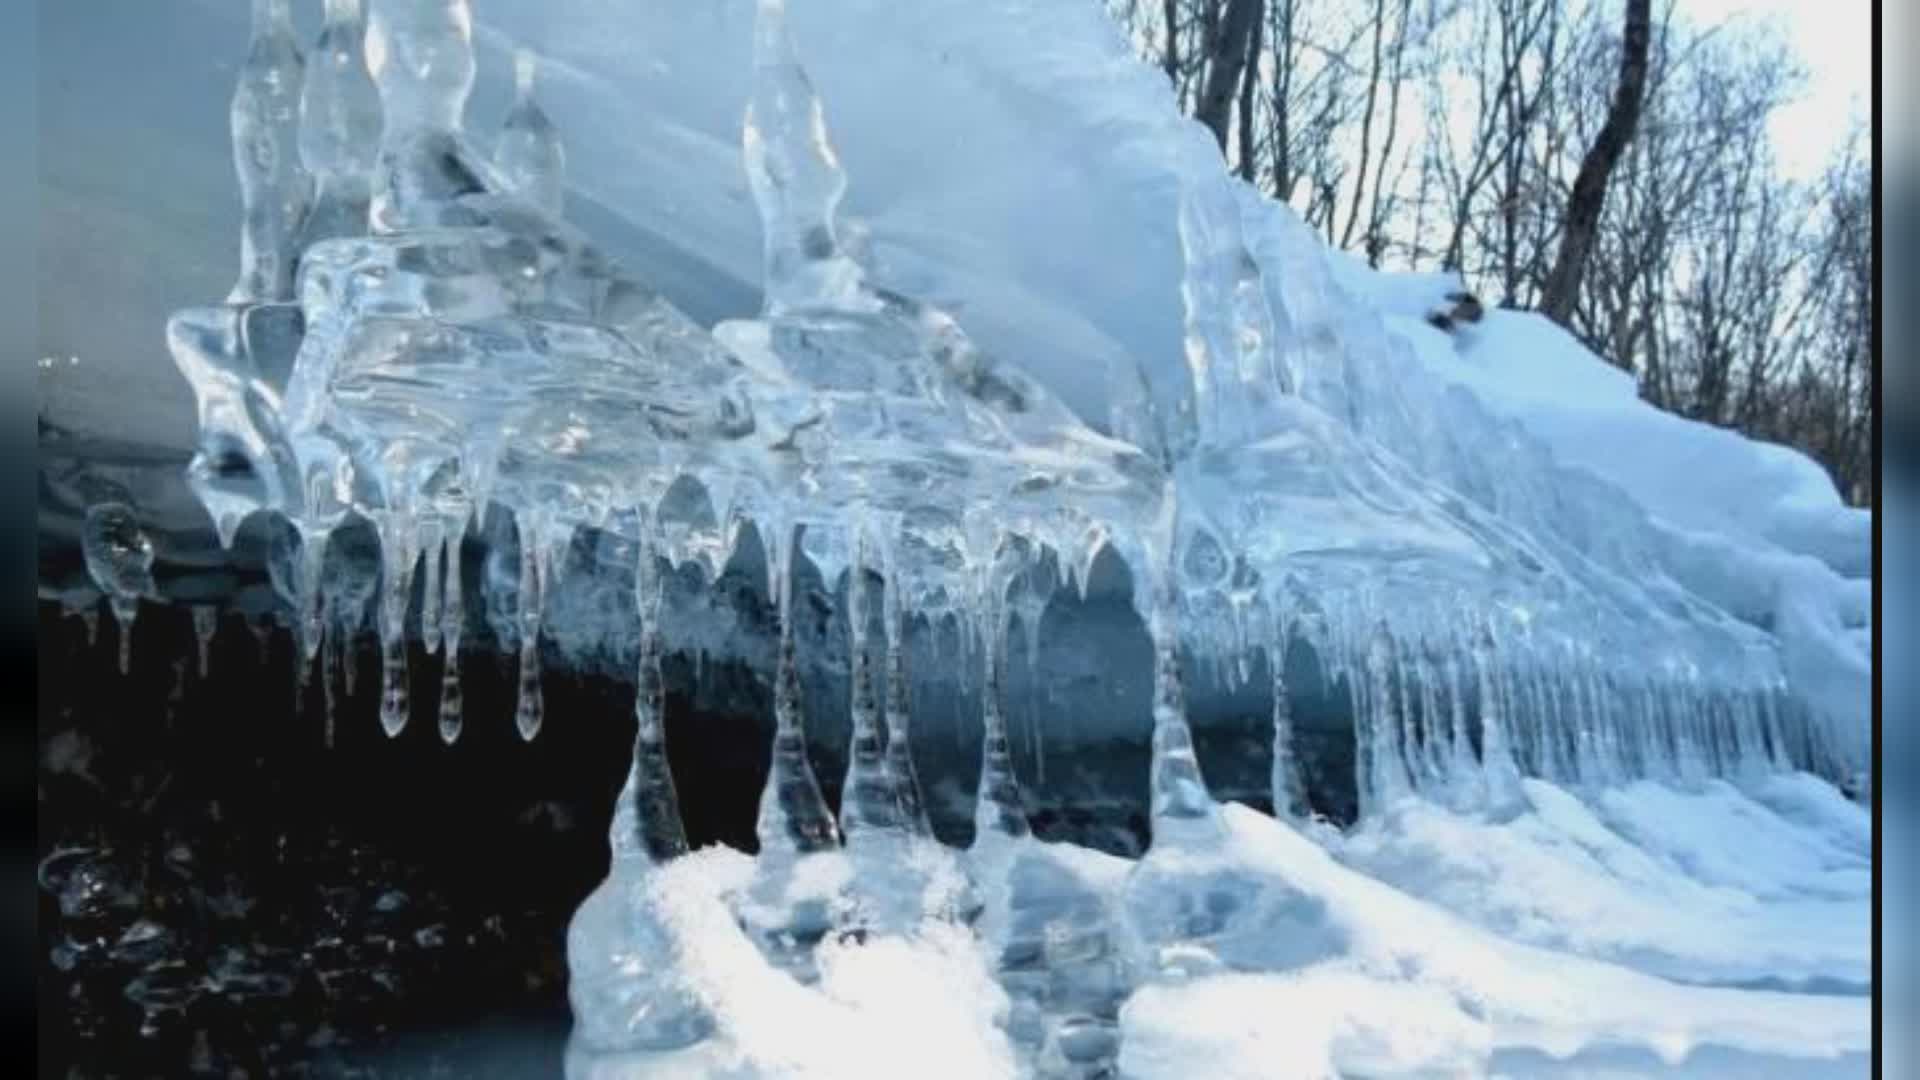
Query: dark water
point(224, 893)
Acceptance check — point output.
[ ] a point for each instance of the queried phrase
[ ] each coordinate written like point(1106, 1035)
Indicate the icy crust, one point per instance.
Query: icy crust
point(1397, 985)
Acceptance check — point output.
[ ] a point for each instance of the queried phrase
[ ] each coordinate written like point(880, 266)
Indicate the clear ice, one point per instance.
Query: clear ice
point(418, 336)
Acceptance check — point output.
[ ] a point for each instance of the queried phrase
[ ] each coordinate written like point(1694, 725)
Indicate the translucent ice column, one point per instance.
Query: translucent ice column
point(274, 188)
point(421, 55)
point(528, 154)
point(339, 125)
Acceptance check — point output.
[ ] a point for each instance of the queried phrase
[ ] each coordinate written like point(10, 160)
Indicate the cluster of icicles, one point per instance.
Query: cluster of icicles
point(1457, 708)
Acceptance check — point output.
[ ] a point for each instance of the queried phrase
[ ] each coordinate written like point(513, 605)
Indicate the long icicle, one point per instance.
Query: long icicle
point(1496, 751)
point(651, 796)
point(868, 806)
point(453, 622)
point(398, 553)
point(1183, 812)
point(899, 707)
point(793, 815)
point(1288, 789)
point(530, 706)
point(999, 810)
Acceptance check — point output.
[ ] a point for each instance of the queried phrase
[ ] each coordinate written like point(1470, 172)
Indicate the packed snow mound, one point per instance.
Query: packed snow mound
point(1415, 989)
point(1715, 886)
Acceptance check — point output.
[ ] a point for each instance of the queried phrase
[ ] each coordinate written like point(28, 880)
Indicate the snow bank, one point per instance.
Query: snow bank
point(1493, 985)
point(1709, 886)
point(1458, 994)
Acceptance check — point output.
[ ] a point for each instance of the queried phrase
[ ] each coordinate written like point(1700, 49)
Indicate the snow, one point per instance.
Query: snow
point(1558, 908)
point(1708, 886)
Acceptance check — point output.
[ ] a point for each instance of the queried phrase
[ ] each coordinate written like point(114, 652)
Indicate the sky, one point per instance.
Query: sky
point(1835, 41)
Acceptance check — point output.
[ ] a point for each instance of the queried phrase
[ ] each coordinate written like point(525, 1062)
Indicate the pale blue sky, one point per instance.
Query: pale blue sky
point(1835, 41)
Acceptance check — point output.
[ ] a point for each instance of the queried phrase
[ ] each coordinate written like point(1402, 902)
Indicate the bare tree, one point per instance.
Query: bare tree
point(1615, 173)
point(1590, 186)
point(1230, 36)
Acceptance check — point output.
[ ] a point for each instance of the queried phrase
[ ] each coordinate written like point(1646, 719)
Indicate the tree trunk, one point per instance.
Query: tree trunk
point(1227, 53)
point(1248, 78)
point(1589, 193)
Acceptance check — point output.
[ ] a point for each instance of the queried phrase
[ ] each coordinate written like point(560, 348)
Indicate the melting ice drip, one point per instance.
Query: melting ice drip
point(418, 336)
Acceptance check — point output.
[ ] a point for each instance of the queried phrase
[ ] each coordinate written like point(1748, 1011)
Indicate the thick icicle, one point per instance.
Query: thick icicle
point(1288, 788)
point(119, 559)
point(1182, 811)
point(999, 808)
point(650, 804)
point(1466, 782)
point(339, 126)
point(868, 806)
point(528, 155)
point(453, 624)
point(793, 815)
point(1386, 780)
point(398, 552)
point(530, 705)
point(431, 602)
point(274, 190)
point(1496, 751)
point(899, 712)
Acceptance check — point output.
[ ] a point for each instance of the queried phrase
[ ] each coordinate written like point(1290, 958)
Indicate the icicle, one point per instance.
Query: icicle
point(206, 620)
point(530, 706)
point(1467, 782)
point(1183, 813)
point(1496, 751)
point(420, 54)
point(119, 559)
point(1777, 755)
point(274, 189)
point(1387, 779)
point(795, 177)
point(899, 708)
point(397, 555)
point(329, 674)
point(529, 155)
point(339, 126)
point(90, 619)
point(650, 800)
point(453, 624)
point(124, 613)
point(431, 602)
point(793, 816)
point(1288, 789)
point(868, 805)
point(999, 811)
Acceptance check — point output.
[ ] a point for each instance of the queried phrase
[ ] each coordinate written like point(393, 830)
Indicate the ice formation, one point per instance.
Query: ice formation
point(419, 335)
